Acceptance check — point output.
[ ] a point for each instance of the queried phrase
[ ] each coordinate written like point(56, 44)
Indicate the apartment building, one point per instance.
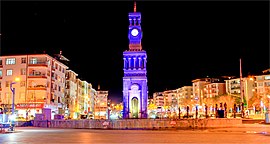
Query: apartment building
point(150, 101)
point(184, 95)
point(71, 94)
point(198, 89)
point(101, 106)
point(41, 85)
point(170, 100)
point(214, 89)
point(158, 99)
point(263, 84)
point(91, 101)
point(248, 85)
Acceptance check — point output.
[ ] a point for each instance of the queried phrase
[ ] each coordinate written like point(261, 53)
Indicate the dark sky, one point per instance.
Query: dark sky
point(184, 40)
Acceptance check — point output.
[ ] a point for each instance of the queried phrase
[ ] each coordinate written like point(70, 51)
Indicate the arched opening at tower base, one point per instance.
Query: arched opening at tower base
point(134, 108)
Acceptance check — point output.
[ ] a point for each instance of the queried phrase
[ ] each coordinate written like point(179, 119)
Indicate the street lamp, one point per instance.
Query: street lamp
point(13, 103)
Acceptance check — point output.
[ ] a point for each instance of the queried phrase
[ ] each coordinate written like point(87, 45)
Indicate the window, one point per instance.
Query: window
point(23, 71)
point(22, 83)
point(7, 83)
point(9, 72)
point(260, 78)
point(267, 77)
point(267, 84)
point(0, 73)
point(33, 61)
point(48, 72)
point(59, 100)
point(0, 62)
point(23, 60)
point(0, 85)
point(10, 61)
point(49, 63)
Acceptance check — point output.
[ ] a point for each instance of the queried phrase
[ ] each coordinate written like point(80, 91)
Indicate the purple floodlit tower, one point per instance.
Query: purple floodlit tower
point(135, 90)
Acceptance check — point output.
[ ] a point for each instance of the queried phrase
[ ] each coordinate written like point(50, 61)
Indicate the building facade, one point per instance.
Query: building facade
point(41, 85)
point(248, 85)
point(101, 105)
point(71, 94)
point(214, 89)
point(184, 96)
point(158, 99)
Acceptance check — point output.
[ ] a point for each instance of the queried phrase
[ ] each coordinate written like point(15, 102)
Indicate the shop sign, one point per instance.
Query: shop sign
point(29, 105)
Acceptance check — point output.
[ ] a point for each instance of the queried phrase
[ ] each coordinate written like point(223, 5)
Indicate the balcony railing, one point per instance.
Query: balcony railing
point(38, 63)
point(235, 87)
point(37, 75)
point(37, 87)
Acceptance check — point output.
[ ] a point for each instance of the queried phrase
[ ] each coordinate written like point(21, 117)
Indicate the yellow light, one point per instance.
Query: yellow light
point(17, 79)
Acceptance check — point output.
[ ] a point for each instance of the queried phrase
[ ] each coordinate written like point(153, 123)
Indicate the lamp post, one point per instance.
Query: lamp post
point(13, 96)
point(13, 104)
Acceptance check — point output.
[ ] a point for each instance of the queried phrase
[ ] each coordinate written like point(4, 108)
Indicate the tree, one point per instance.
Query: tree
point(118, 107)
point(255, 101)
point(187, 101)
point(228, 99)
point(152, 107)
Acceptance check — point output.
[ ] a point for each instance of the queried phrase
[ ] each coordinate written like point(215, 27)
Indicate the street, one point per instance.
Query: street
point(248, 133)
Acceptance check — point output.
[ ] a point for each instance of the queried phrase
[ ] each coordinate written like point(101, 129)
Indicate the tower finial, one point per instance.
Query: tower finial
point(134, 6)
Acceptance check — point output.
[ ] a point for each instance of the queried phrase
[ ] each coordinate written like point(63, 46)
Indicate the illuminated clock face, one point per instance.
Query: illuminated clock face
point(134, 32)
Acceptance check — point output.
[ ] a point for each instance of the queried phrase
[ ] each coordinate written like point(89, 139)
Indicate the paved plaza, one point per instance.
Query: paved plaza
point(248, 134)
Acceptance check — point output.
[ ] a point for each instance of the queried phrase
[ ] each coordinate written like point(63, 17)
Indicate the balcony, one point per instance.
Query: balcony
point(37, 75)
point(38, 87)
point(235, 82)
point(38, 63)
point(237, 87)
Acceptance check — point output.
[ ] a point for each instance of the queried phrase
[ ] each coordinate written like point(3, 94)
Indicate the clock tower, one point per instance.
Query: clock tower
point(135, 89)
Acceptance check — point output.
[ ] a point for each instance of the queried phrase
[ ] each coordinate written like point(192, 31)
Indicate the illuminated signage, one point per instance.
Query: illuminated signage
point(29, 105)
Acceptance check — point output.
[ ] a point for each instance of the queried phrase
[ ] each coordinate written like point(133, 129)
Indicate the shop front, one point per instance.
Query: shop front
point(28, 110)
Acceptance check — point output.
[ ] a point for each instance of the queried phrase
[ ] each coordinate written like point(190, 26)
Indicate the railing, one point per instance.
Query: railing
point(44, 64)
point(38, 62)
point(37, 74)
point(37, 87)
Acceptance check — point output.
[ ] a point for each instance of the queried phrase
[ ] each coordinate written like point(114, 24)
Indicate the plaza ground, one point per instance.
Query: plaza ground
point(247, 133)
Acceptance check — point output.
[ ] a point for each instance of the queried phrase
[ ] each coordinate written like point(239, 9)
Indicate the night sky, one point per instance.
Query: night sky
point(183, 40)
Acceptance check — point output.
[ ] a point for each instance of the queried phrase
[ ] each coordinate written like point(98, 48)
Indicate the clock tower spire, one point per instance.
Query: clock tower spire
point(134, 6)
point(135, 30)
